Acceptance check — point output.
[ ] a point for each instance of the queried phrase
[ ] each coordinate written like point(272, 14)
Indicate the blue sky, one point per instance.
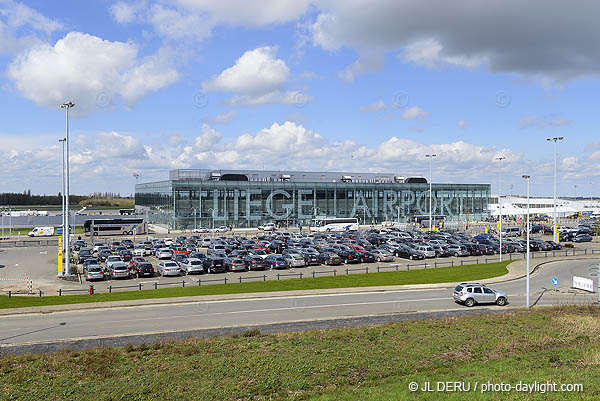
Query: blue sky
point(300, 84)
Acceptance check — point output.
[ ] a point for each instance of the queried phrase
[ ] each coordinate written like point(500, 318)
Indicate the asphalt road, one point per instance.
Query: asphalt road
point(190, 316)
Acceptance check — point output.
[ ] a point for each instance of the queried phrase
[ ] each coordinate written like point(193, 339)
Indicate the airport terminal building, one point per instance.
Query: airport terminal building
point(193, 198)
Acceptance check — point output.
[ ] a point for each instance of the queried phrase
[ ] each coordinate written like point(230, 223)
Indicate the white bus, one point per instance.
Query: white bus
point(334, 224)
point(124, 225)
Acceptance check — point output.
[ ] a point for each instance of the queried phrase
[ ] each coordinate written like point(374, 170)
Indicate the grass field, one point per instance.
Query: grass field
point(422, 276)
point(358, 363)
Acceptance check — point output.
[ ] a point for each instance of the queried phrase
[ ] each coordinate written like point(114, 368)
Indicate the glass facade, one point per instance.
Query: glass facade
point(186, 204)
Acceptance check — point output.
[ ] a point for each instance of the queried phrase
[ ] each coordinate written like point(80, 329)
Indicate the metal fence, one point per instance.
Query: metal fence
point(28, 243)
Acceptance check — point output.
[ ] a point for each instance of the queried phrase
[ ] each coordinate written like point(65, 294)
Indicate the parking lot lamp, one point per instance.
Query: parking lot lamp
point(212, 211)
point(64, 140)
point(527, 177)
point(555, 140)
point(431, 156)
point(500, 206)
point(66, 107)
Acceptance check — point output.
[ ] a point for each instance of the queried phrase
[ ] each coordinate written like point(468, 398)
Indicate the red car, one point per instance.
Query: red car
point(135, 261)
point(180, 251)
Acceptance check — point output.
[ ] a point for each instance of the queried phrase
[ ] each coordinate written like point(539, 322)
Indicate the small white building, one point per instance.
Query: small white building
point(517, 206)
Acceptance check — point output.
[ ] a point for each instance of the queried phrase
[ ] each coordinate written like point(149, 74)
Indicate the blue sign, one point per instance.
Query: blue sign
point(555, 281)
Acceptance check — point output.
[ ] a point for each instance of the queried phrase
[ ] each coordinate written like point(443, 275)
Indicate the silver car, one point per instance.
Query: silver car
point(164, 253)
point(169, 269)
point(111, 260)
point(192, 266)
point(119, 270)
point(93, 272)
point(295, 260)
point(470, 294)
point(382, 255)
point(426, 250)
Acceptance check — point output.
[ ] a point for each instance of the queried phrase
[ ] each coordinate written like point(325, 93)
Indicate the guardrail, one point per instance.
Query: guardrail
point(28, 243)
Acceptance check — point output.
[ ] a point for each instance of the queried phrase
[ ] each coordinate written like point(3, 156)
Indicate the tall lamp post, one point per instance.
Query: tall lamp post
point(500, 205)
point(137, 177)
point(431, 156)
point(527, 177)
point(555, 140)
point(66, 107)
point(64, 140)
point(212, 211)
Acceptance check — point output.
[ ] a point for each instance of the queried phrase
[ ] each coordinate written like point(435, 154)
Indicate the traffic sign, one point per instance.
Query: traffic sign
point(555, 281)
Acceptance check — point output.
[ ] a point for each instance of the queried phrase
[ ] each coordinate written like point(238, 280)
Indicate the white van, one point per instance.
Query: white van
point(511, 232)
point(41, 232)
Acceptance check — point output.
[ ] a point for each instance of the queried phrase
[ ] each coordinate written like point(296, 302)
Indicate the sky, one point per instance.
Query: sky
point(318, 85)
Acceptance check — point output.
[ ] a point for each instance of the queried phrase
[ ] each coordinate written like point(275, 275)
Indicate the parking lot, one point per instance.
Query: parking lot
point(39, 264)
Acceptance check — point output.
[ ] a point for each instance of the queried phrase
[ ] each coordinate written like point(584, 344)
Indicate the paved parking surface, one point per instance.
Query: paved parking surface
point(40, 265)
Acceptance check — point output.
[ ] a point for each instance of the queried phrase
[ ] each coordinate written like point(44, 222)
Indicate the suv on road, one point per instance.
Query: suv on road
point(470, 294)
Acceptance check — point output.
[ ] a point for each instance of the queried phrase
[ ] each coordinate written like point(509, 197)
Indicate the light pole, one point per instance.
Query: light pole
point(398, 210)
point(137, 176)
point(575, 186)
point(195, 211)
point(527, 177)
point(212, 230)
point(64, 140)
point(500, 205)
point(431, 156)
point(66, 107)
point(555, 140)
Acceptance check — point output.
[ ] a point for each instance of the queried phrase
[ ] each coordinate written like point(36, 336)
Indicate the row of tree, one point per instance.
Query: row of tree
point(27, 199)
point(97, 199)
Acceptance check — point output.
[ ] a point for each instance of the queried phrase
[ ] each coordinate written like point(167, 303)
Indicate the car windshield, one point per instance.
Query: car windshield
point(171, 264)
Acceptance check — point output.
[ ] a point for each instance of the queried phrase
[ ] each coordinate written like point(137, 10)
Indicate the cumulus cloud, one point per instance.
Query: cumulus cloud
point(20, 26)
point(101, 161)
point(497, 34)
point(90, 72)
point(414, 113)
point(126, 12)
point(257, 77)
point(375, 106)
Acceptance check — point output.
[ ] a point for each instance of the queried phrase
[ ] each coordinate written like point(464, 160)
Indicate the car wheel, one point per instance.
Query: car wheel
point(501, 301)
point(378, 259)
point(469, 302)
point(411, 257)
point(456, 254)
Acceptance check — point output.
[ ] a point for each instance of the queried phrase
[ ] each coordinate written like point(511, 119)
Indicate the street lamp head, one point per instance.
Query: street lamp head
point(62, 140)
point(67, 105)
point(430, 155)
point(500, 158)
point(556, 138)
point(526, 176)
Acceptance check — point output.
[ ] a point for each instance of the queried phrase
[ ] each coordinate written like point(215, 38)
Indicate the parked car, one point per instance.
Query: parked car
point(169, 268)
point(93, 272)
point(582, 238)
point(214, 264)
point(382, 255)
point(192, 266)
point(235, 263)
point(110, 260)
point(407, 252)
point(470, 294)
point(426, 250)
point(329, 258)
point(180, 251)
point(125, 255)
point(458, 250)
point(365, 256)
point(144, 269)
point(221, 229)
point(267, 227)
point(295, 259)
point(164, 253)
point(276, 262)
point(83, 254)
point(254, 262)
point(119, 269)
